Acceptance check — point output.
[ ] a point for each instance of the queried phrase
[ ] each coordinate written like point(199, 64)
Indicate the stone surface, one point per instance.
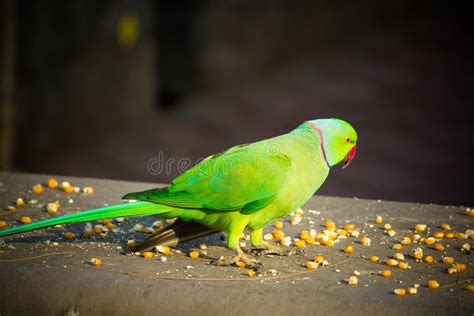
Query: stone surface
point(52, 279)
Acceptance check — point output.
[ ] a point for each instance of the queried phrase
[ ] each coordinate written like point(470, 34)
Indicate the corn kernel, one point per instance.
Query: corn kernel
point(148, 254)
point(278, 224)
point(295, 219)
point(52, 208)
point(88, 190)
point(432, 284)
point(111, 226)
point(470, 288)
point(285, 241)
point(469, 212)
point(311, 265)
point(447, 260)
point(430, 240)
point(239, 264)
point(391, 262)
point(461, 267)
point(374, 258)
point(310, 240)
point(105, 221)
point(365, 241)
point(330, 226)
point(438, 247)
point(342, 232)
point(318, 258)
point(299, 243)
point(349, 227)
point(466, 248)
point(460, 236)
point(378, 219)
point(438, 235)
point(88, 231)
point(445, 226)
point(386, 273)
point(411, 290)
point(420, 227)
point(403, 265)
point(20, 202)
point(399, 292)
point(299, 212)
point(387, 226)
point(429, 259)
point(251, 273)
point(449, 235)
point(25, 220)
point(69, 235)
point(398, 256)
point(52, 183)
point(11, 208)
point(328, 243)
point(452, 270)
point(3, 224)
point(416, 237)
point(278, 234)
point(349, 249)
point(352, 280)
point(418, 253)
point(131, 243)
point(406, 241)
point(163, 249)
point(96, 261)
point(68, 189)
point(304, 234)
point(38, 189)
point(98, 229)
point(397, 247)
point(391, 232)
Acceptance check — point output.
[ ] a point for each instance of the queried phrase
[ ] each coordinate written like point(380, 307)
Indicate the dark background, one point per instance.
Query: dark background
point(100, 88)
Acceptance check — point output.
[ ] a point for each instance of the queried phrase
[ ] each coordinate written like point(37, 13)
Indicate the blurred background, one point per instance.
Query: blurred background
point(103, 88)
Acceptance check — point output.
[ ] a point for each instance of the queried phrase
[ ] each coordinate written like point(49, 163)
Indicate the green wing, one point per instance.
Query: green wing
point(245, 178)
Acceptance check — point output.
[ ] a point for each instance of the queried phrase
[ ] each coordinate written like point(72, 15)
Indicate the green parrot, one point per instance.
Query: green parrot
point(244, 187)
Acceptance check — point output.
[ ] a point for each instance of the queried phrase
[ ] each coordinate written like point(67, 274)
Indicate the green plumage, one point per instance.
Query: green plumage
point(246, 186)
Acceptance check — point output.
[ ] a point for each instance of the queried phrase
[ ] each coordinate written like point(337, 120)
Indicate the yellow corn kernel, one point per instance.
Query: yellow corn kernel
point(406, 241)
point(25, 220)
point(460, 236)
point(330, 226)
point(285, 241)
point(391, 232)
point(69, 235)
point(438, 247)
point(194, 254)
point(318, 259)
point(304, 234)
point(38, 189)
point(352, 280)
point(239, 264)
point(445, 226)
point(349, 227)
point(416, 237)
point(171, 221)
point(449, 235)
point(278, 224)
point(131, 243)
point(386, 273)
point(328, 243)
point(163, 249)
point(11, 208)
point(411, 290)
point(378, 219)
point(311, 265)
point(300, 243)
point(251, 273)
point(52, 183)
point(391, 262)
point(310, 240)
point(398, 256)
point(470, 288)
point(430, 240)
point(365, 241)
point(3, 224)
point(342, 232)
point(438, 235)
point(469, 212)
point(418, 253)
point(52, 208)
point(399, 292)
point(111, 226)
point(278, 234)
point(403, 265)
point(68, 189)
point(452, 270)
point(447, 260)
point(374, 258)
point(88, 190)
point(98, 229)
point(432, 284)
point(428, 259)
point(148, 254)
point(387, 226)
point(299, 212)
point(420, 227)
point(349, 249)
point(96, 261)
point(20, 202)
point(461, 267)
point(397, 247)
point(105, 221)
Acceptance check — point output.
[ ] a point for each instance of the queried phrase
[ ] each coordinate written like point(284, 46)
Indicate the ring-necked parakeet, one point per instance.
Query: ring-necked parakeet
point(246, 186)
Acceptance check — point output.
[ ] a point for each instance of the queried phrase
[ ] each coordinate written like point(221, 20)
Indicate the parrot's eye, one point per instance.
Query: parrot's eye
point(347, 139)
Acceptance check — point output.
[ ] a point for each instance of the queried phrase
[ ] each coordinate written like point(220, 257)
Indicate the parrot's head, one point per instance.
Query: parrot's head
point(339, 140)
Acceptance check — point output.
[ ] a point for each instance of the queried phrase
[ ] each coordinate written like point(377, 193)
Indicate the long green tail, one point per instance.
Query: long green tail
point(120, 210)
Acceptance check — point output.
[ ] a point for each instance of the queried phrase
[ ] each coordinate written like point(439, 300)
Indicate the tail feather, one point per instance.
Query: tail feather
point(120, 210)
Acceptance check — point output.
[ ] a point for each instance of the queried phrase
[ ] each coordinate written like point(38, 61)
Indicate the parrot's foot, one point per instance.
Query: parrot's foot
point(267, 248)
point(237, 260)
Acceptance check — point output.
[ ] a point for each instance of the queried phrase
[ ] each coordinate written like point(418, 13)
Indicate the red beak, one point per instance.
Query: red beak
point(349, 157)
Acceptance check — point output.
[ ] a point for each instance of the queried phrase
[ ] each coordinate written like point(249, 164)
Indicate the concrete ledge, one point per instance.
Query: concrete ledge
point(123, 285)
